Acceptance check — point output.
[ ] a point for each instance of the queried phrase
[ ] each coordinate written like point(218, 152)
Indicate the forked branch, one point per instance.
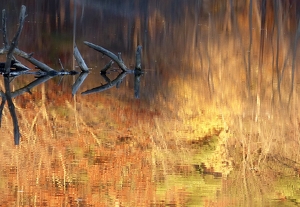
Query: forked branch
point(115, 58)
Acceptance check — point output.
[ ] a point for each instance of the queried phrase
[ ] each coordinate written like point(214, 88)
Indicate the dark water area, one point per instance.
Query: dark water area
point(216, 121)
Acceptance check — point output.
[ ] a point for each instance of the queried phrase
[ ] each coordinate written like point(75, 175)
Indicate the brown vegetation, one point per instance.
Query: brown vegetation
point(98, 150)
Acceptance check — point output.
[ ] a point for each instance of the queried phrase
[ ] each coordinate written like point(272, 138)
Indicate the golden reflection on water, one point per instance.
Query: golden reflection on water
point(197, 137)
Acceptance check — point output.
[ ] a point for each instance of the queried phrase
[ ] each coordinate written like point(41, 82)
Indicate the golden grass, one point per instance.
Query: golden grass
point(60, 162)
point(79, 151)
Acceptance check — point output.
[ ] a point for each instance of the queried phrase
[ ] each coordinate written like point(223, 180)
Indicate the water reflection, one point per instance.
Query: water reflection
point(218, 97)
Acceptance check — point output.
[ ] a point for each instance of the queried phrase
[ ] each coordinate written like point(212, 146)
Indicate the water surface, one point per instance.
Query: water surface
point(216, 122)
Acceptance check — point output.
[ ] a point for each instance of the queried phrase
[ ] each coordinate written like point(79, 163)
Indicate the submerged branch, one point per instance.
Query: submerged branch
point(80, 60)
point(29, 58)
point(109, 54)
point(32, 60)
point(15, 40)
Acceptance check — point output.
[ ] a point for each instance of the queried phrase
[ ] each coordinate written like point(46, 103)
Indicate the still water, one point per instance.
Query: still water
point(215, 121)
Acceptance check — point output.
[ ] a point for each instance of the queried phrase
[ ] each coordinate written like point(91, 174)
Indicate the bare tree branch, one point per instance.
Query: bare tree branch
point(109, 54)
point(9, 57)
point(80, 60)
point(15, 40)
point(34, 61)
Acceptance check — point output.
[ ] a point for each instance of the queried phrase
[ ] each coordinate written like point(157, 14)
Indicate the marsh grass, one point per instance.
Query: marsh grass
point(79, 151)
point(89, 154)
point(96, 163)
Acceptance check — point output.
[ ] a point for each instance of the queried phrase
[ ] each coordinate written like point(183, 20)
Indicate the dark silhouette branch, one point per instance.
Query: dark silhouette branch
point(15, 40)
point(12, 110)
point(2, 105)
point(106, 67)
point(109, 85)
point(31, 85)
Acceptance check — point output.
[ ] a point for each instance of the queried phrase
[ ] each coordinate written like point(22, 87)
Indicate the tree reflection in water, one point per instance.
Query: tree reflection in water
point(45, 72)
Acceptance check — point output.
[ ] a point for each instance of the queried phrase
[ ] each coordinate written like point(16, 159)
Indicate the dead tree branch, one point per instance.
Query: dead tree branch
point(15, 40)
point(116, 59)
point(80, 60)
point(9, 58)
